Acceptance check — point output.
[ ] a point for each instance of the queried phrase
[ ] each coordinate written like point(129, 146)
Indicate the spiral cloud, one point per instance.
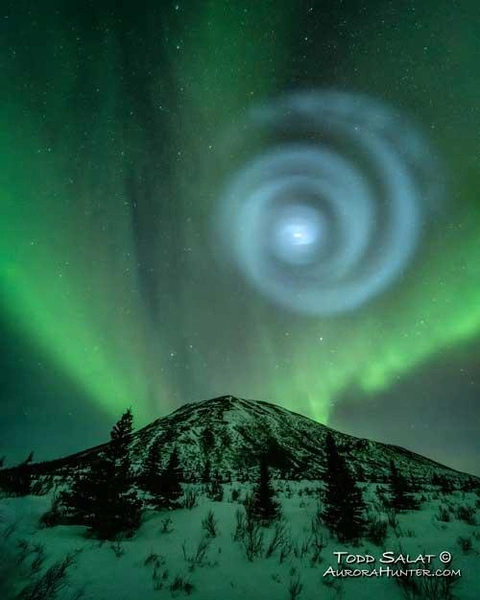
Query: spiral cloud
point(327, 209)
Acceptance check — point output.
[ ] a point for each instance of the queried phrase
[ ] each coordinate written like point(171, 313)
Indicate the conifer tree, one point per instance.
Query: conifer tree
point(402, 497)
point(343, 503)
point(207, 440)
point(22, 479)
point(151, 478)
point(264, 506)
point(214, 488)
point(207, 471)
point(171, 478)
point(82, 500)
point(103, 497)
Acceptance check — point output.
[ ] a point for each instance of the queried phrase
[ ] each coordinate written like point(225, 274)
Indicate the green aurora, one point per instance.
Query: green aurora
point(108, 143)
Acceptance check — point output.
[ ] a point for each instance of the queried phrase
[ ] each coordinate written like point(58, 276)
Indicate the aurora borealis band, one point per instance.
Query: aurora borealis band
point(121, 127)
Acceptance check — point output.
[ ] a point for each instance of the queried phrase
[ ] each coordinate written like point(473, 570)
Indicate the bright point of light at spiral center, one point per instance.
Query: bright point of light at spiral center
point(299, 233)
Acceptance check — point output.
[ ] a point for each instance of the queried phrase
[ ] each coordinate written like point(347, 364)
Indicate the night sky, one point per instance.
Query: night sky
point(272, 199)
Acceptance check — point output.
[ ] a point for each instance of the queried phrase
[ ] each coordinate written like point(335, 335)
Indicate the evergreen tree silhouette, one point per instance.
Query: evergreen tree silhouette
point(103, 497)
point(151, 478)
point(343, 503)
point(214, 488)
point(446, 483)
point(21, 479)
point(263, 505)
point(170, 480)
point(402, 497)
point(83, 498)
point(207, 440)
point(207, 471)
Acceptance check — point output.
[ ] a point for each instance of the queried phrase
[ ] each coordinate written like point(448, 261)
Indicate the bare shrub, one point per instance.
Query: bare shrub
point(316, 524)
point(428, 588)
point(467, 514)
point(22, 572)
point(393, 520)
point(166, 525)
point(300, 550)
point(240, 524)
point(24, 550)
point(210, 524)
point(443, 514)
point(54, 515)
point(376, 530)
point(154, 559)
point(295, 587)
point(159, 577)
point(181, 584)
point(278, 538)
point(159, 573)
point(318, 544)
point(409, 533)
point(285, 551)
point(465, 543)
point(48, 584)
point(190, 498)
point(9, 530)
point(39, 557)
point(250, 535)
point(117, 548)
point(199, 555)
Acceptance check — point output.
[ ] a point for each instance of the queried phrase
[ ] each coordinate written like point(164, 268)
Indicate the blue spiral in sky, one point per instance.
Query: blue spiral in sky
point(328, 210)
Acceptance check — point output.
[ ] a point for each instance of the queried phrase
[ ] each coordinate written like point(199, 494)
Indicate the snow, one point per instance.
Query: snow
point(225, 573)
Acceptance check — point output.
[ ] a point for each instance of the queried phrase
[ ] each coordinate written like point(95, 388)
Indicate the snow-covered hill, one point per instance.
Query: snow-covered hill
point(230, 433)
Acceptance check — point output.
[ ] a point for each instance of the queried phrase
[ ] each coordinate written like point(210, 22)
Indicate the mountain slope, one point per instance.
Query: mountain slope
point(230, 433)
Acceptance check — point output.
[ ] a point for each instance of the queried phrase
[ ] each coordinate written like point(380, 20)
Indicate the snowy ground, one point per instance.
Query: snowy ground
point(172, 550)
